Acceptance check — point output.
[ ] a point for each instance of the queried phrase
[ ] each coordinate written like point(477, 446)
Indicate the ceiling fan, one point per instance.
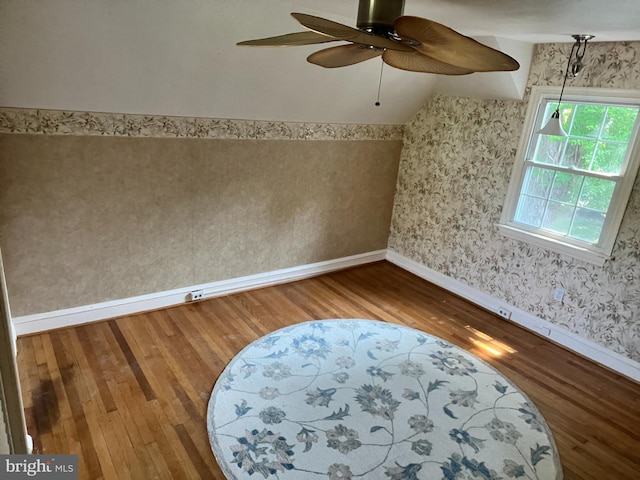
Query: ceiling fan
point(405, 42)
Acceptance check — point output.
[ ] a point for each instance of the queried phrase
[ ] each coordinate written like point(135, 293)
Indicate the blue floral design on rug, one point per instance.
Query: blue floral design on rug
point(363, 399)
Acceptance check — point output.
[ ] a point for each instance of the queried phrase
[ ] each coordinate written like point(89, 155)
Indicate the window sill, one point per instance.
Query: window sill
point(590, 256)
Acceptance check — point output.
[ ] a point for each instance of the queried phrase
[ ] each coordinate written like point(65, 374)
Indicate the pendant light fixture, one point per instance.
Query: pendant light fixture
point(554, 126)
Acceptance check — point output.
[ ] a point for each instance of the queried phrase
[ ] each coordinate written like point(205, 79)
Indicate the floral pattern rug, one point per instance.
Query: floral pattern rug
point(362, 399)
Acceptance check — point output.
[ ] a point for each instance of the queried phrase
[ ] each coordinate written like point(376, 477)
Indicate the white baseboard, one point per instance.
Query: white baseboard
point(40, 322)
point(559, 335)
point(29, 324)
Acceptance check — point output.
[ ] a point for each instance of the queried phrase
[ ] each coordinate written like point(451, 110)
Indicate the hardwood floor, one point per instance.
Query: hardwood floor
point(129, 395)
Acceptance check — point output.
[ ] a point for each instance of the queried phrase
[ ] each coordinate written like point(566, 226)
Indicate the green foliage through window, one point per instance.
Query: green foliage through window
point(569, 182)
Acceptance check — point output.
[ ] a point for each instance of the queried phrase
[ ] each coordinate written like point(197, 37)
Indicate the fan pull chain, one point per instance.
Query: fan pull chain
point(379, 85)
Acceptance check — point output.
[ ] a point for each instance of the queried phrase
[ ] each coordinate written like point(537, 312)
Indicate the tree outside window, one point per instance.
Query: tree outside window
point(568, 193)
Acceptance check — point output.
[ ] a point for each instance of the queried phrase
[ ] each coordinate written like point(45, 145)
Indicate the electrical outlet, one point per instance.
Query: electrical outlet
point(196, 295)
point(558, 294)
point(504, 313)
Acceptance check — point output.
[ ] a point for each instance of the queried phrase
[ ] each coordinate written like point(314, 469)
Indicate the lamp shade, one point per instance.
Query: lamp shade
point(553, 126)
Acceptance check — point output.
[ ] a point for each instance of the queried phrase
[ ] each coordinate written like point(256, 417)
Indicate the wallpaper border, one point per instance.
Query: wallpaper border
point(60, 122)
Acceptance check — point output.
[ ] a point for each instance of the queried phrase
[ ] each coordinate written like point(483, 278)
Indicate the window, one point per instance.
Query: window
point(568, 194)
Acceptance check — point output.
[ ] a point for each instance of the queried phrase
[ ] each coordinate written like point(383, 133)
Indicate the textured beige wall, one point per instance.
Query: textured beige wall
point(87, 219)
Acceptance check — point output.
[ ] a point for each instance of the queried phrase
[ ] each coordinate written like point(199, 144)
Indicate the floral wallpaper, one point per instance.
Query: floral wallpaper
point(455, 168)
point(55, 122)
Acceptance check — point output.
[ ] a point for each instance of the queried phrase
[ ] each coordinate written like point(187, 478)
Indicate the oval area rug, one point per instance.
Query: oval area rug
point(363, 399)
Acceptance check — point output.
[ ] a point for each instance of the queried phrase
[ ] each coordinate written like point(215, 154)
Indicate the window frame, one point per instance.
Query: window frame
point(593, 253)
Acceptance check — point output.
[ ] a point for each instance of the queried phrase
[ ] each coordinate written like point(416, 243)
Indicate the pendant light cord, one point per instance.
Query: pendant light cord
point(566, 72)
point(554, 124)
point(379, 85)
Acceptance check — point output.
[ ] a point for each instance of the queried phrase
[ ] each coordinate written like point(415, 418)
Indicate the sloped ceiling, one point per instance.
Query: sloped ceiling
point(167, 57)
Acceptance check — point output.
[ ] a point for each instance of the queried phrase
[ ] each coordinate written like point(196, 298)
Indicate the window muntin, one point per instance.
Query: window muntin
point(566, 192)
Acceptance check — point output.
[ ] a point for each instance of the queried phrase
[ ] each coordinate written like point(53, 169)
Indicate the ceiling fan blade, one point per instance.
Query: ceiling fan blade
point(416, 62)
point(289, 40)
point(343, 55)
point(349, 34)
point(440, 42)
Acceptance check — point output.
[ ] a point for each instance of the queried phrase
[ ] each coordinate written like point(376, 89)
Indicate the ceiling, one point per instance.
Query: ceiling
point(164, 57)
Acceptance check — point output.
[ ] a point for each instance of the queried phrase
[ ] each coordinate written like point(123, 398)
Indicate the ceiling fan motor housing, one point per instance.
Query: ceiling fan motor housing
point(377, 16)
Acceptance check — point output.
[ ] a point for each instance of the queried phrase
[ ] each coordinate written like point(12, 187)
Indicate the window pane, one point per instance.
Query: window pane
point(609, 157)
point(549, 108)
point(566, 187)
point(567, 111)
point(530, 210)
point(578, 153)
point(548, 149)
point(587, 121)
point(587, 225)
point(537, 182)
point(619, 123)
point(558, 217)
point(569, 192)
point(596, 194)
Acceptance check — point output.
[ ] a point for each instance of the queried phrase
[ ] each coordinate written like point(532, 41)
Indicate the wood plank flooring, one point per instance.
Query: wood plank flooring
point(129, 395)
